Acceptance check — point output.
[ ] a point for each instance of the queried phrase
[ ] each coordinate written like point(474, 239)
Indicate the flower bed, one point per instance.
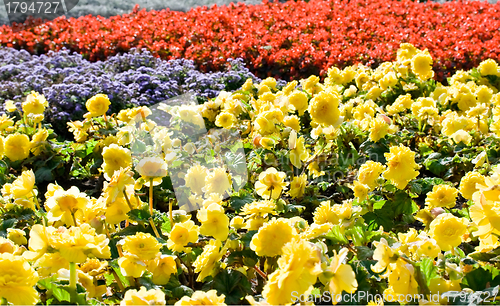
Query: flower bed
point(137, 78)
point(286, 40)
point(372, 185)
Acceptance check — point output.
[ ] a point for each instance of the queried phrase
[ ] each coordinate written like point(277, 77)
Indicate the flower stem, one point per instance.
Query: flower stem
point(170, 217)
point(151, 197)
point(117, 279)
point(72, 282)
point(154, 227)
point(127, 199)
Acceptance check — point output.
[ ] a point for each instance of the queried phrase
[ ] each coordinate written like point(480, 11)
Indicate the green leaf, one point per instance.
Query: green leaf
point(233, 284)
point(336, 235)
point(364, 252)
point(237, 202)
point(429, 270)
point(477, 279)
point(139, 215)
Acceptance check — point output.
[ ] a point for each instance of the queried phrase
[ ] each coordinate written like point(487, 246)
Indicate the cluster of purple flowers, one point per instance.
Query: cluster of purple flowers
point(132, 79)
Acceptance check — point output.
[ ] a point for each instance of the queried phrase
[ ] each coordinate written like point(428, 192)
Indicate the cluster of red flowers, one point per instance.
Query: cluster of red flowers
point(288, 40)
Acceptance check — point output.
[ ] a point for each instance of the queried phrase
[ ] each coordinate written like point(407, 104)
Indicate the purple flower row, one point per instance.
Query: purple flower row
point(131, 79)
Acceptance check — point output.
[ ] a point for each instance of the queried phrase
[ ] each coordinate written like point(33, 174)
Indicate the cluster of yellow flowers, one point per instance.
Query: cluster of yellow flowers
point(289, 226)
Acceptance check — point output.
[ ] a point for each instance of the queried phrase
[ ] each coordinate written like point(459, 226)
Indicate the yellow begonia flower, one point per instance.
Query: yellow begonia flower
point(206, 261)
point(299, 153)
point(152, 169)
point(448, 230)
point(17, 147)
point(143, 245)
point(23, 185)
point(17, 280)
point(214, 222)
point(298, 186)
point(225, 120)
point(369, 173)
point(468, 184)
point(115, 158)
point(143, 297)
point(162, 267)
point(401, 166)
point(442, 196)
point(195, 178)
point(35, 103)
point(97, 106)
point(202, 298)
point(344, 278)
point(324, 109)
point(297, 273)
point(182, 234)
point(271, 183)
point(271, 237)
point(218, 181)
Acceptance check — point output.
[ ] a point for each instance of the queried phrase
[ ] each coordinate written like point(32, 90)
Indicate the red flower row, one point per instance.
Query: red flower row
point(290, 40)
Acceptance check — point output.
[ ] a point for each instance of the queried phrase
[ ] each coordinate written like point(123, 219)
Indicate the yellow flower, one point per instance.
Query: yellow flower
point(406, 52)
point(326, 214)
point(267, 143)
point(298, 186)
point(299, 153)
point(67, 206)
point(448, 230)
point(468, 184)
point(272, 237)
point(486, 214)
point(421, 65)
point(344, 278)
point(429, 248)
point(378, 129)
point(49, 263)
point(214, 222)
point(23, 185)
point(118, 183)
point(206, 261)
point(401, 166)
point(311, 85)
point(270, 184)
point(17, 280)
point(117, 211)
point(225, 120)
point(152, 168)
point(292, 122)
point(202, 298)
point(388, 80)
point(299, 101)
point(143, 297)
point(401, 277)
point(369, 172)
point(182, 234)
point(442, 196)
point(297, 273)
point(35, 103)
point(115, 158)
point(97, 106)
point(488, 67)
point(9, 106)
point(237, 223)
point(195, 178)
point(162, 267)
point(218, 181)
point(17, 147)
point(131, 265)
point(143, 245)
point(259, 208)
point(76, 243)
point(360, 190)
point(324, 109)
point(383, 254)
point(17, 236)
point(461, 136)
point(1, 147)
